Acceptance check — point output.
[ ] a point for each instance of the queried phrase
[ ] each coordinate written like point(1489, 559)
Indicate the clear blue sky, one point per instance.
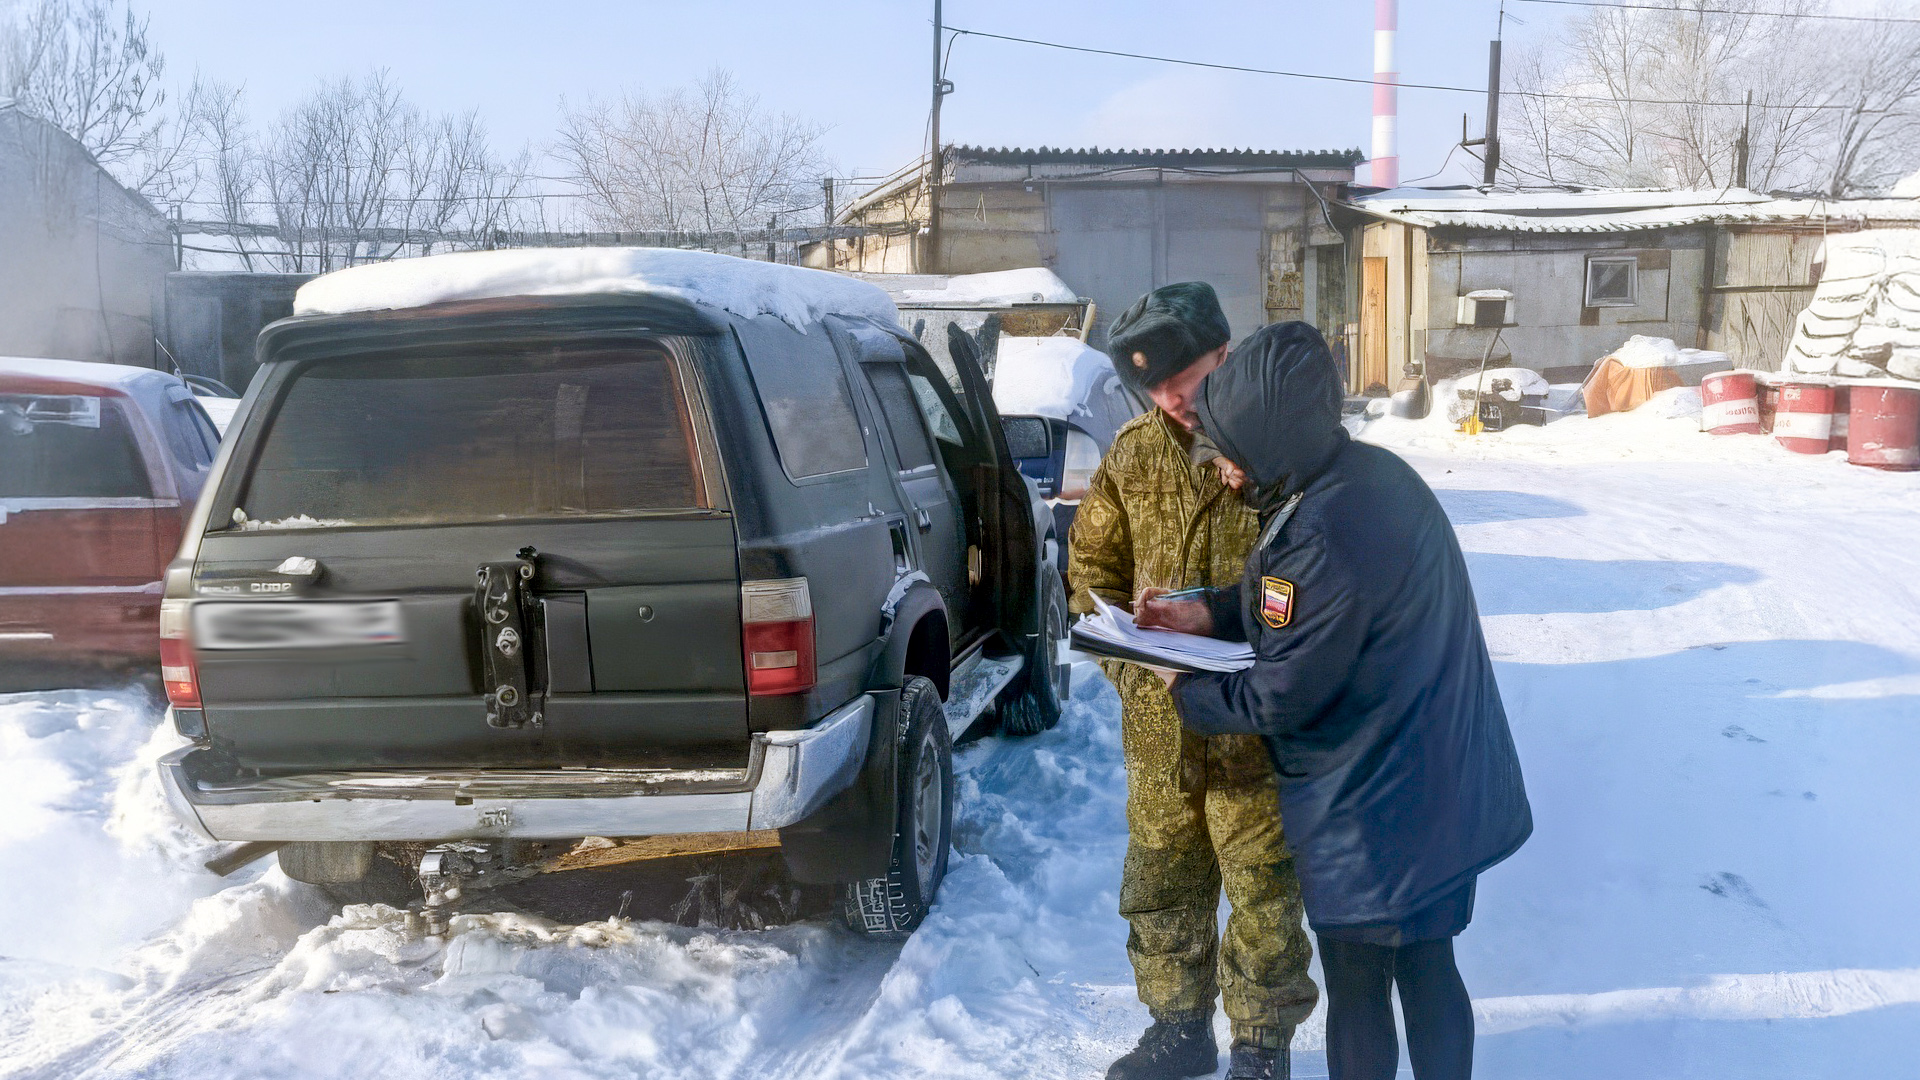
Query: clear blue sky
point(862, 66)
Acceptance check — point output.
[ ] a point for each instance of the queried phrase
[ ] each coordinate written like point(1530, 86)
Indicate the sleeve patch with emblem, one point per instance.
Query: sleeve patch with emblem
point(1276, 601)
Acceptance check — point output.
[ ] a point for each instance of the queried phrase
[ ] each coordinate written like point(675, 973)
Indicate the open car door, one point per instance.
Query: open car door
point(1008, 544)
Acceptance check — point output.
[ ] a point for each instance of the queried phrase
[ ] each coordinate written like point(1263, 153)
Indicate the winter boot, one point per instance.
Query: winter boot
point(1249, 1061)
point(1168, 1051)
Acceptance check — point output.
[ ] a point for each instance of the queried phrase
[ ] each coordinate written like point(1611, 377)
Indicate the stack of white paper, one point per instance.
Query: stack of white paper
point(1111, 632)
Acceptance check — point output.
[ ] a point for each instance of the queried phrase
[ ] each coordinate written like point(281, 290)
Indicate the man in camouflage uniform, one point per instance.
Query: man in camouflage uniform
point(1201, 812)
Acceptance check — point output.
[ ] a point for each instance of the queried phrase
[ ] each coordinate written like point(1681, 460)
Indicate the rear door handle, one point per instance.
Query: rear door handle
point(925, 519)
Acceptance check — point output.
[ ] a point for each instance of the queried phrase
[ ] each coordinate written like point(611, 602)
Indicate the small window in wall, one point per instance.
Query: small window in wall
point(1610, 280)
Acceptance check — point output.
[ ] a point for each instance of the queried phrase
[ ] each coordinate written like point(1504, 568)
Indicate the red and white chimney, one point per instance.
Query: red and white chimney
point(1386, 98)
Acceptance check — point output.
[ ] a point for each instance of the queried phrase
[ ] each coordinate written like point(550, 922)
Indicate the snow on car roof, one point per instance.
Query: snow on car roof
point(1031, 285)
point(994, 288)
point(793, 294)
point(1050, 376)
point(78, 372)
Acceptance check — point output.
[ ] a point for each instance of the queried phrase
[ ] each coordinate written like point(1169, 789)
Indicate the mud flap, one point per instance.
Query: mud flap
point(851, 837)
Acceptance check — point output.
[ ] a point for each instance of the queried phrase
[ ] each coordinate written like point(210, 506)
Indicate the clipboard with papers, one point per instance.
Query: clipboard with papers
point(1110, 632)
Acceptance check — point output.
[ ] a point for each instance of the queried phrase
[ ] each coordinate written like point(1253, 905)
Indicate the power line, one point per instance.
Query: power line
point(1205, 64)
point(1542, 94)
point(1725, 11)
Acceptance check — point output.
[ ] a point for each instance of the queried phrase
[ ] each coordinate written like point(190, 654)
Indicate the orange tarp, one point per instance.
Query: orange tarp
point(1615, 387)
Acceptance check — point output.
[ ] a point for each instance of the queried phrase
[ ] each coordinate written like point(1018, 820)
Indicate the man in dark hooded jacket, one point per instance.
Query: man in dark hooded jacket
point(1398, 777)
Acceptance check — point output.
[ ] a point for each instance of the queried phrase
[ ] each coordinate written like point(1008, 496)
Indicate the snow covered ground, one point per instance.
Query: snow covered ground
point(1708, 649)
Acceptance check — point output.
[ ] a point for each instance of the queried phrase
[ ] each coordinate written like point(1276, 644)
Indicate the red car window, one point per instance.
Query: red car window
point(65, 446)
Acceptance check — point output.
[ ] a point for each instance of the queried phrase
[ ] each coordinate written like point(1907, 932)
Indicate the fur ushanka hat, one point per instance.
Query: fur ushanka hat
point(1164, 332)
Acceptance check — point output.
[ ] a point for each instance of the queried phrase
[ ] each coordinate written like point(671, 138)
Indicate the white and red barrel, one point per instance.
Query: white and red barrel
point(1728, 404)
point(1883, 428)
point(1803, 417)
point(1386, 95)
point(1767, 393)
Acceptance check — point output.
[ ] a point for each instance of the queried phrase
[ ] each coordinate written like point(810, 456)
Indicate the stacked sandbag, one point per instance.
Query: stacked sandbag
point(1864, 319)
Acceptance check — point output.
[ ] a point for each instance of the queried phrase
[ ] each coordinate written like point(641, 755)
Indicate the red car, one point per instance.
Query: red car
point(100, 465)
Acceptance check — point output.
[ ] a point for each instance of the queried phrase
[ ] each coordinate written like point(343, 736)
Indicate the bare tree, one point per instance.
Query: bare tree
point(356, 172)
point(90, 70)
point(1874, 138)
point(707, 158)
point(230, 168)
point(1641, 97)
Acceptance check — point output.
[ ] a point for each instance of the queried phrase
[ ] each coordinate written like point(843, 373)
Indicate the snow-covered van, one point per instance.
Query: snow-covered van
point(1061, 405)
point(512, 552)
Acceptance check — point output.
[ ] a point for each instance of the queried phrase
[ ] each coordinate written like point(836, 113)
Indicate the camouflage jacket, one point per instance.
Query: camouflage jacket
point(1152, 517)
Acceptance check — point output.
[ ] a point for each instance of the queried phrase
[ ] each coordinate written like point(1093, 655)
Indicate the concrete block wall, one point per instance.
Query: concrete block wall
point(1551, 328)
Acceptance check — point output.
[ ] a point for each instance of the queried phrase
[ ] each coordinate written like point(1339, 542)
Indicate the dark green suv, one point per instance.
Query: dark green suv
point(514, 556)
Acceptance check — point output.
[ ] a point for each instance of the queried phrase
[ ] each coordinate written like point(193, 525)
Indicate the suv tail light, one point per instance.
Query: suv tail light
point(776, 628)
point(176, 656)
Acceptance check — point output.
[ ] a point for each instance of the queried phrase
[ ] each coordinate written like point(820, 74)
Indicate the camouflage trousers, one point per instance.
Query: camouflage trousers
point(1202, 814)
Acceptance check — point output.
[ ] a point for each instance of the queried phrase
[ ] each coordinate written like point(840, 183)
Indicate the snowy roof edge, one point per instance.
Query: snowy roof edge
point(1541, 213)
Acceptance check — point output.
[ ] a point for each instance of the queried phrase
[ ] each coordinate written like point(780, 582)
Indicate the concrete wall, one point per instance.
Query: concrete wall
point(1551, 326)
point(81, 258)
point(210, 320)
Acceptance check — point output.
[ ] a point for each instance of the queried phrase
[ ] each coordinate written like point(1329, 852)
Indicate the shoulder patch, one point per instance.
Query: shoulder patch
point(1276, 601)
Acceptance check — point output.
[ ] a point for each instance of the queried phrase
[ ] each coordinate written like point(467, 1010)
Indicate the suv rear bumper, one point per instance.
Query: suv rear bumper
point(789, 775)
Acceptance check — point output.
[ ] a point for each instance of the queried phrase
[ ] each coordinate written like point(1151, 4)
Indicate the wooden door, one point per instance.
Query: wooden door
point(1373, 324)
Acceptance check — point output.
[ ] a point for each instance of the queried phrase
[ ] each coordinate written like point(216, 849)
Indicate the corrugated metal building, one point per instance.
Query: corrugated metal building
point(1586, 269)
point(1117, 223)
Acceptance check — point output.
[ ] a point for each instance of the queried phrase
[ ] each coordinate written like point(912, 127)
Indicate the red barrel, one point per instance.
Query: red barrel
point(1883, 427)
point(1728, 405)
point(1838, 438)
point(1803, 422)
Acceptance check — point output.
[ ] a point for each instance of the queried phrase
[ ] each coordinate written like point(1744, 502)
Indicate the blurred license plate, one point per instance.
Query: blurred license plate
point(291, 624)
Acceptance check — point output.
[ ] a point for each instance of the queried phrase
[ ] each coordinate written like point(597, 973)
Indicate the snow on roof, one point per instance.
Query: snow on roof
point(1908, 188)
point(1050, 376)
point(81, 372)
point(1618, 210)
point(998, 288)
point(793, 294)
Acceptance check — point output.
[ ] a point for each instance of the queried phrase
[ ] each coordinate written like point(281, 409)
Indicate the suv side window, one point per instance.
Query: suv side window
point(903, 416)
point(935, 411)
point(804, 394)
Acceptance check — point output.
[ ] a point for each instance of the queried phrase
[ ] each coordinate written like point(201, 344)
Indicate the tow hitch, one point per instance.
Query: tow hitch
point(449, 871)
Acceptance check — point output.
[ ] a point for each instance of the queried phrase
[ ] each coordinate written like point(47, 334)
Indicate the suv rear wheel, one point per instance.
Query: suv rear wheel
point(891, 907)
point(1036, 707)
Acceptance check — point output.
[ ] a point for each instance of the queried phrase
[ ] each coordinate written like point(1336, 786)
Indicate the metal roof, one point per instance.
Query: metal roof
point(1195, 158)
point(1561, 210)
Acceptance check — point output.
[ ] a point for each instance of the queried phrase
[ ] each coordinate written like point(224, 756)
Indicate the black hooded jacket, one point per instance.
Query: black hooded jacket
point(1398, 776)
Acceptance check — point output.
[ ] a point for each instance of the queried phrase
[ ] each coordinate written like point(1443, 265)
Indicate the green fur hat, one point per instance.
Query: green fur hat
point(1164, 332)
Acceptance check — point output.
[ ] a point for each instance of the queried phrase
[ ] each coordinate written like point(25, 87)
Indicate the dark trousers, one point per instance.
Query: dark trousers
point(1361, 1041)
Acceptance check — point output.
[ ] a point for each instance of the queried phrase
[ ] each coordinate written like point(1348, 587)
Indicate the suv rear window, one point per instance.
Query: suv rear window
point(68, 446)
point(534, 433)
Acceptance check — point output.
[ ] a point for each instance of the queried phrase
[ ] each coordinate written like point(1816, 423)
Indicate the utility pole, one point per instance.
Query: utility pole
point(826, 186)
point(1742, 148)
point(1492, 165)
point(935, 167)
